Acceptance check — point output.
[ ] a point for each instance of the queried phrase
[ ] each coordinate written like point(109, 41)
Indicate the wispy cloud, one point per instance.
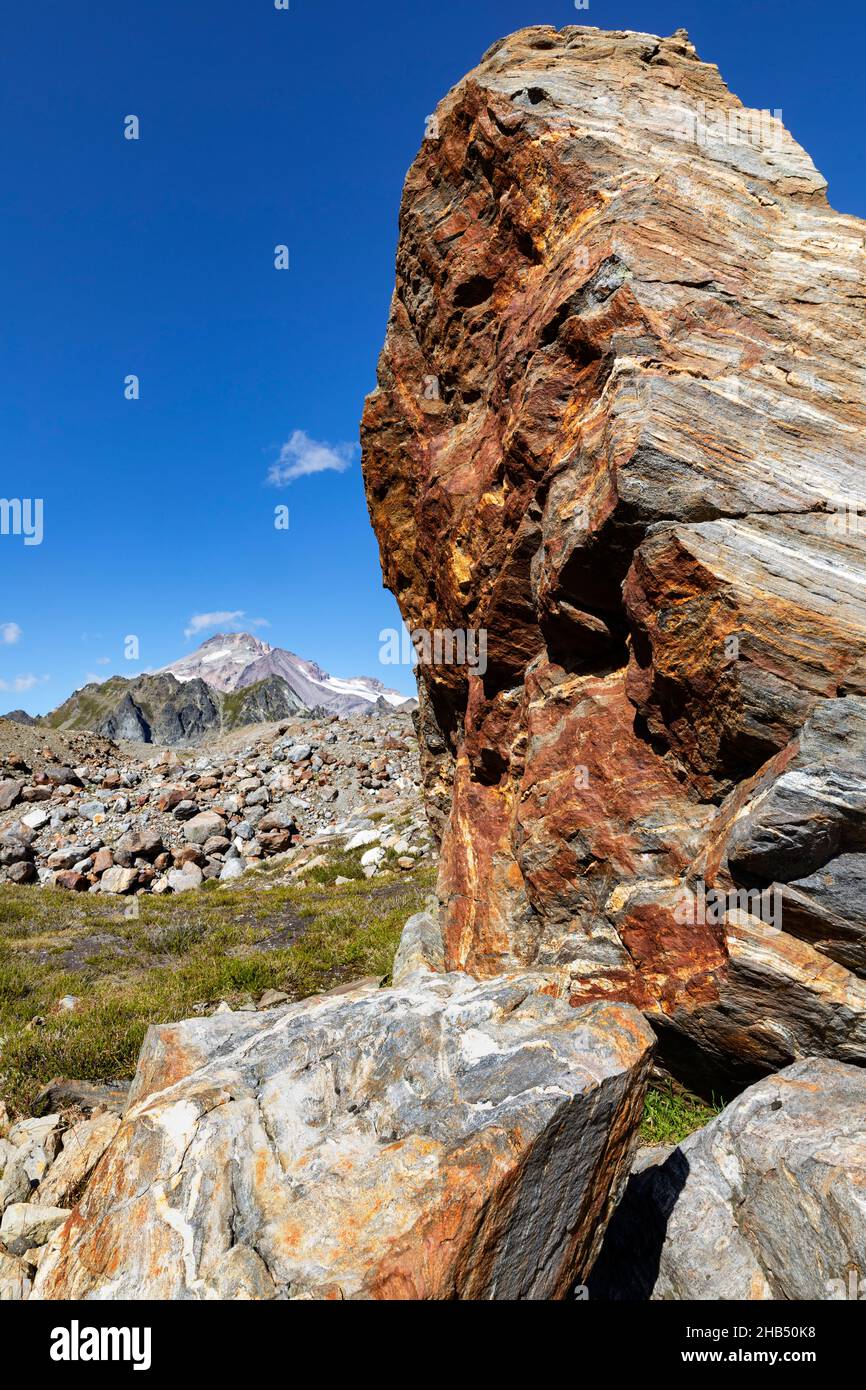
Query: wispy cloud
point(230, 620)
point(200, 622)
point(22, 683)
point(103, 661)
point(301, 456)
point(10, 633)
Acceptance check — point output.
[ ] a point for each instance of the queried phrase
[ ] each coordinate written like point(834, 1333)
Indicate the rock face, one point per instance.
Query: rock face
point(161, 709)
point(444, 1139)
point(766, 1202)
point(619, 429)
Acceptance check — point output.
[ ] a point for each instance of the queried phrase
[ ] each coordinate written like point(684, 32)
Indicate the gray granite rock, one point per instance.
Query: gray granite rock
point(420, 948)
point(765, 1202)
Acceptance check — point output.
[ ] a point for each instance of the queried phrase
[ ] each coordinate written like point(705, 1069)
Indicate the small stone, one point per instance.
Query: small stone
point(73, 881)
point(22, 872)
point(231, 869)
point(10, 792)
point(102, 860)
point(118, 880)
point(25, 1224)
point(189, 854)
point(143, 844)
point(186, 879)
point(272, 997)
point(39, 1129)
point(200, 829)
point(363, 837)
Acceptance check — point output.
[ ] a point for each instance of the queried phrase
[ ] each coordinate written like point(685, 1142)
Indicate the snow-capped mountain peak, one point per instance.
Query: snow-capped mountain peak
point(233, 661)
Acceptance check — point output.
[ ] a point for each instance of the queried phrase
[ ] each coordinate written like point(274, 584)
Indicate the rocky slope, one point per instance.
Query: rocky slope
point(619, 426)
point(114, 823)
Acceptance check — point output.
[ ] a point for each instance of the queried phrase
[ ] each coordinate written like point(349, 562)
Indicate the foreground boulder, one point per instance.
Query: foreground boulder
point(766, 1202)
point(441, 1140)
point(618, 446)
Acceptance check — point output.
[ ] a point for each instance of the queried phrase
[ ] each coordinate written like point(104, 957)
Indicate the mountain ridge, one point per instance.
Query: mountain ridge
point(233, 661)
point(246, 682)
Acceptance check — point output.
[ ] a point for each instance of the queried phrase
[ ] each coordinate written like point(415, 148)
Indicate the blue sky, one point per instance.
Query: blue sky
point(155, 258)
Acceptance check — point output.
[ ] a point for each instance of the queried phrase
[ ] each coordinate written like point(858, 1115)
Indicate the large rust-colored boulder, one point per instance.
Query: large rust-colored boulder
point(620, 427)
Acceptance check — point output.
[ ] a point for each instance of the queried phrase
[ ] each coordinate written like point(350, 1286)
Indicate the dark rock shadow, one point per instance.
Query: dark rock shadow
point(628, 1262)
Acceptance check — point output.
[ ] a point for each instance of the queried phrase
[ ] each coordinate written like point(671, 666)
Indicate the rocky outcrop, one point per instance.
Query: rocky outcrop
point(20, 716)
point(766, 1202)
point(618, 431)
point(441, 1140)
point(262, 703)
point(146, 709)
point(619, 428)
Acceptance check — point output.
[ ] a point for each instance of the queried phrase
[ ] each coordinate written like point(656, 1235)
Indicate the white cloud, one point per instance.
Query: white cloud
point(301, 455)
point(229, 621)
point(200, 622)
point(22, 683)
point(103, 661)
point(10, 633)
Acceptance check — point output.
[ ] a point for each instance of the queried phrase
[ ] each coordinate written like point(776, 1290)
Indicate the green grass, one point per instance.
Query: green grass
point(195, 949)
point(671, 1113)
point(339, 865)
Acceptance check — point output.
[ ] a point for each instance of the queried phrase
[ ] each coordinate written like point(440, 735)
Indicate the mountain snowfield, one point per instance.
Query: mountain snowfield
point(234, 661)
